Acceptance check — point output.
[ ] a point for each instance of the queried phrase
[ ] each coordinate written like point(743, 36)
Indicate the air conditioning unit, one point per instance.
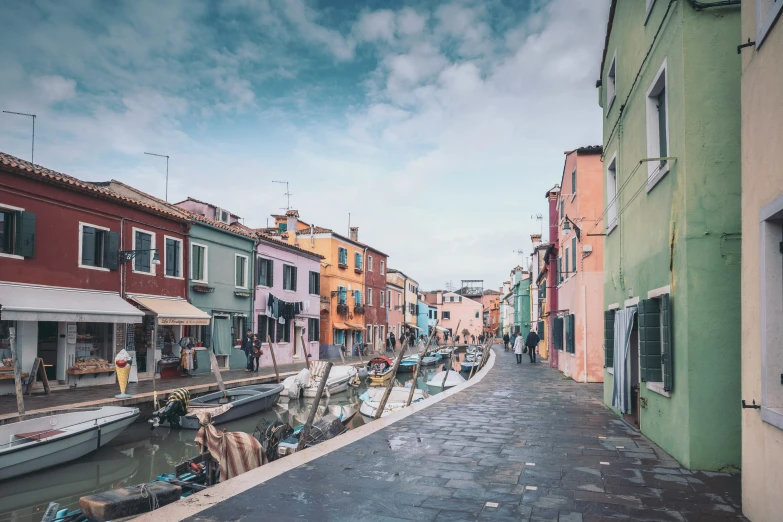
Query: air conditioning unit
point(587, 248)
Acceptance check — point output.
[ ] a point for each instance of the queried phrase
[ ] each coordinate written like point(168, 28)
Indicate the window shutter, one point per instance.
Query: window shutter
point(609, 339)
point(667, 335)
point(207, 339)
point(293, 277)
point(261, 327)
point(566, 263)
point(270, 273)
point(541, 330)
point(557, 333)
point(111, 250)
point(573, 253)
point(88, 246)
point(650, 340)
point(25, 234)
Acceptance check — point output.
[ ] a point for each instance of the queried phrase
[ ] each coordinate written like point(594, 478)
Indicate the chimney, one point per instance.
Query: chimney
point(536, 238)
point(354, 233)
point(292, 224)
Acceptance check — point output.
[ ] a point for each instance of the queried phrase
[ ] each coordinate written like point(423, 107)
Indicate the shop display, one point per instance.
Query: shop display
point(123, 362)
point(90, 365)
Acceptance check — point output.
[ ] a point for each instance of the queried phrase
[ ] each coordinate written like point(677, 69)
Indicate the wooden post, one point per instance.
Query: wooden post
point(389, 387)
point(458, 333)
point(307, 354)
point(314, 409)
point(216, 372)
point(17, 373)
point(416, 370)
point(274, 360)
point(483, 357)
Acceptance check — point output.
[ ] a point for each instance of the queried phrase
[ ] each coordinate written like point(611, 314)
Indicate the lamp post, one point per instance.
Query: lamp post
point(167, 171)
point(129, 255)
point(567, 227)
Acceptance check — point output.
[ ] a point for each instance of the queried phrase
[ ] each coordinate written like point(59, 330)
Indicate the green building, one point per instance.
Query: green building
point(520, 279)
point(670, 93)
point(220, 282)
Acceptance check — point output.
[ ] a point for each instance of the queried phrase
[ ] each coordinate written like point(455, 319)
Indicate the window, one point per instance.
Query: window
point(399, 299)
point(342, 257)
point(369, 297)
point(611, 83)
point(17, 232)
point(284, 332)
point(573, 182)
point(315, 283)
point(240, 271)
point(369, 263)
point(357, 260)
point(369, 332)
point(573, 253)
point(339, 337)
point(383, 268)
point(265, 269)
point(143, 242)
point(557, 333)
point(655, 343)
point(173, 257)
point(198, 263)
point(341, 295)
point(772, 313)
point(381, 296)
point(99, 247)
point(570, 344)
point(657, 128)
point(434, 314)
point(611, 193)
point(445, 315)
point(477, 315)
point(411, 308)
point(313, 329)
point(357, 297)
point(561, 202)
point(566, 263)
point(767, 13)
point(289, 277)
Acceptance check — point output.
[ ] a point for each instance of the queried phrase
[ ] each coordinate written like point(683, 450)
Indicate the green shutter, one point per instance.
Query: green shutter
point(566, 263)
point(111, 250)
point(557, 333)
point(573, 253)
point(567, 333)
point(207, 339)
point(609, 339)
point(662, 125)
point(25, 234)
point(88, 246)
point(270, 273)
point(293, 278)
point(573, 182)
point(667, 335)
point(541, 330)
point(650, 340)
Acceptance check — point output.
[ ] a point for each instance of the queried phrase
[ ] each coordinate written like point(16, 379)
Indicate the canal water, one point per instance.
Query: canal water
point(140, 454)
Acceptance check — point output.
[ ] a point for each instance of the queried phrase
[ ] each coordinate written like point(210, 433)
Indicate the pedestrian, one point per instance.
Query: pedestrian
point(519, 346)
point(393, 341)
point(257, 353)
point(532, 344)
point(505, 341)
point(247, 347)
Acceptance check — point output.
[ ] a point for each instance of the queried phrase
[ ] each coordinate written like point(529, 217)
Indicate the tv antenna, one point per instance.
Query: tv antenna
point(540, 219)
point(287, 195)
point(167, 170)
point(33, 116)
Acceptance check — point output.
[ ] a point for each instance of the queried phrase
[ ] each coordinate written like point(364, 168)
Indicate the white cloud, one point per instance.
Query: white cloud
point(305, 20)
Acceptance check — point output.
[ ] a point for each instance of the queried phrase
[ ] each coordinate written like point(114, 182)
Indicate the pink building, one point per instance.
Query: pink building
point(394, 308)
point(578, 328)
point(457, 313)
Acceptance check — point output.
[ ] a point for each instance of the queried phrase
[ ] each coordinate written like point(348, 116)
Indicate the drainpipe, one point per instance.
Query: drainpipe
point(584, 319)
point(364, 282)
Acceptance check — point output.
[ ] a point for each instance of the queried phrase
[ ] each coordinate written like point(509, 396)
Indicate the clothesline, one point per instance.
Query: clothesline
point(283, 311)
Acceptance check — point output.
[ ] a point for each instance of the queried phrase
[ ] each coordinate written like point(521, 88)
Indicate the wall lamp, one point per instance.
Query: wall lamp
point(128, 255)
point(567, 227)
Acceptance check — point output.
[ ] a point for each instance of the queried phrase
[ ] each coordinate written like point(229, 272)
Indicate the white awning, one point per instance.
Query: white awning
point(173, 311)
point(441, 329)
point(45, 303)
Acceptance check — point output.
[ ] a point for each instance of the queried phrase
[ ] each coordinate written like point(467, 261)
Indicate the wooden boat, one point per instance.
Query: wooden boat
point(431, 359)
point(446, 351)
point(306, 382)
point(409, 363)
point(244, 401)
point(466, 366)
point(326, 427)
point(398, 398)
point(380, 370)
point(453, 379)
point(35, 444)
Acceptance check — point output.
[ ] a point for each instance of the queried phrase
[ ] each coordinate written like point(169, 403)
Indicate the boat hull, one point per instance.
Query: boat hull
point(264, 398)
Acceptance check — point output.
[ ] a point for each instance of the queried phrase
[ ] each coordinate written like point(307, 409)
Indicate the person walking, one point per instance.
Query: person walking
point(532, 344)
point(247, 347)
point(257, 353)
point(505, 341)
point(519, 346)
point(393, 341)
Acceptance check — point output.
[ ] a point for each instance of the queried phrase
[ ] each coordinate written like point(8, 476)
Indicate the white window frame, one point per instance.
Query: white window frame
point(11, 208)
point(382, 297)
point(771, 234)
point(657, 386)
point(81, 232)
point(369, 297)
point(369, 263)
point(206, 263)
point(357, 253)
point(181, 246)
point(383, 267)
point(654, 171)
point(297, 277)
point(153, 246)
point(245, 270)
point(765, 19)
point(648, 9)
point(265, 258)
point(611, 83)
point(611, 168)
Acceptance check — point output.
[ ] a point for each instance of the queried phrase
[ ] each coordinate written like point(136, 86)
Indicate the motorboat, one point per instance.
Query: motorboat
point(408, 363)
point(468, 365)
point(446, 351)
point(243, 401)
point(452, 379)
point(39, 443)
point(398, 398)
point(306, 381)
point(380, 370)
point(326, 427)
point(431, 359)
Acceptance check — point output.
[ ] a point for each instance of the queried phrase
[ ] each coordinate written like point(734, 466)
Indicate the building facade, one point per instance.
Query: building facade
point(460, 315)
point(552, 276)
point(409, 299)
point(394, 307)
point(375, 287)
point(670, 93)
point(762, 261)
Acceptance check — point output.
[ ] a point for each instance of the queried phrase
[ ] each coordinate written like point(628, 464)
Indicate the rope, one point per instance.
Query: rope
point(147, 493)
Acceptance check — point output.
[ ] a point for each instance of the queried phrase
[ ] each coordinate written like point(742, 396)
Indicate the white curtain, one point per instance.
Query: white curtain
point(221, 336)
point(621, 387)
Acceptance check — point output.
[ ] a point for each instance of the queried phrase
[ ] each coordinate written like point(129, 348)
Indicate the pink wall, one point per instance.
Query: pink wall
point(465, 312)
point(582, 293)
point(395, 316)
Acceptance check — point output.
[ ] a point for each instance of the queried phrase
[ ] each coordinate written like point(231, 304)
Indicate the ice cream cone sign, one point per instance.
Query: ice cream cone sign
point(122, 365)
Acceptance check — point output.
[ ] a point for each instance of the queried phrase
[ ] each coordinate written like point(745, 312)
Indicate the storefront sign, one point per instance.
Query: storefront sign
point(70, 338)
point(182, 321)
point(242, 294)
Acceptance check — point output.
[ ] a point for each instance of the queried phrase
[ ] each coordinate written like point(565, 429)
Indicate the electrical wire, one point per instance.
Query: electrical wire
point(614, 200)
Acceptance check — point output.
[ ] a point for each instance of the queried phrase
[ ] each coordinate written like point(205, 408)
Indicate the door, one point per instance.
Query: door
point(48, 334)
point(297, 340)
point(633, 415)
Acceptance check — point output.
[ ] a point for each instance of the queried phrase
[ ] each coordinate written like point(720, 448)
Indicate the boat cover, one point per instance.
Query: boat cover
point(235, 452)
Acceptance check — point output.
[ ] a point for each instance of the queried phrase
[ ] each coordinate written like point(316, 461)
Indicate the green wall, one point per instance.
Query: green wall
point(522, 306)
point(683, 232)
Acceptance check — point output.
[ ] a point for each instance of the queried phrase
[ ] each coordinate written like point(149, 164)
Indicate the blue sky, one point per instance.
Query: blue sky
point(438, 125)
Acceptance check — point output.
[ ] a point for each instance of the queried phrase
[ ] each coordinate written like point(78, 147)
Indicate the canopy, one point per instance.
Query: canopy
point(173, 311)
point(37, 303)
point(354, 326)
point(441, 329)
point(411, 325)
point(341, 326)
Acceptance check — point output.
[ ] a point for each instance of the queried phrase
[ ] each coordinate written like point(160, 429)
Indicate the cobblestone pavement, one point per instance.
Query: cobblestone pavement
point(526, 443)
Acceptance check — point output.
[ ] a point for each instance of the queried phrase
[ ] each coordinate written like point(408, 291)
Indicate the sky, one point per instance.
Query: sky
point(437, 125)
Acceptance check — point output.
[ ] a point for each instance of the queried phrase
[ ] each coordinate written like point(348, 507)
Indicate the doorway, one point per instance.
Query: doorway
point(48, 334)
point(633, 415)
point(297, 341)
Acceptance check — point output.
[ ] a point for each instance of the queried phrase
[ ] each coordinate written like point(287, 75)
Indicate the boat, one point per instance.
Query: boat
point(446, 351)
point(306, 381)
point(324, 428)
point(398, 398)
point(39, 443)
point(466, 366)
point(453, 379)
point(243, 401)
point(380, 369)
point(409, 363)
point(431, 359)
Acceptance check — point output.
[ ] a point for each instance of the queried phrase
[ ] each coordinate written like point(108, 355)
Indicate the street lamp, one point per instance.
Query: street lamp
point(567, 227)
point(128, 255)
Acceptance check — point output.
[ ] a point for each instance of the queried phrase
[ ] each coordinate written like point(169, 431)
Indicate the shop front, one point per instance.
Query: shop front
point(75, 332)
point(154, 343)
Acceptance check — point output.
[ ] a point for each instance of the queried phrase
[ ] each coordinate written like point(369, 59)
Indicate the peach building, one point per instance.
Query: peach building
point(457, 313)
point(577, 329)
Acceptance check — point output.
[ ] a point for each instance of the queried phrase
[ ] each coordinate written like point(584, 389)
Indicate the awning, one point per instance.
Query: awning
point(340, 326)
point(412, 326)
point(40, 303)
point(441, 329)
point(173, 311)
point(355, 326)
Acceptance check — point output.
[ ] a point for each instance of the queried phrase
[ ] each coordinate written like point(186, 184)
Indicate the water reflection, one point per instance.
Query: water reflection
point(139, 454)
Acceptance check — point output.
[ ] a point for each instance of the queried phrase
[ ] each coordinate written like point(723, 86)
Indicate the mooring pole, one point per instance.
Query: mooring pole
point(389, 387)
point(17, 372)
point(314, 409)
point(307, 354)
point(274, 359)
point(416, 370)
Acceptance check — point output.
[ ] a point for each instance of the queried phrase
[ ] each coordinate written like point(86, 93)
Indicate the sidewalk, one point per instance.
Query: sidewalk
point(525, 443)
point(86, 396)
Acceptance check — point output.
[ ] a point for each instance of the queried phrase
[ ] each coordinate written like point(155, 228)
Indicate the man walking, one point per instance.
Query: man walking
point(247, 347)
point(505, 341)
point(532, 344)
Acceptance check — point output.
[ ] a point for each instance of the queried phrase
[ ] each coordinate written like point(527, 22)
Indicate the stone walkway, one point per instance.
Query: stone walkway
point(526, 443)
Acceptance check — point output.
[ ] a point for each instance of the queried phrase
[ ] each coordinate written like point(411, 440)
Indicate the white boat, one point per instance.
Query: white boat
point(398, 398)
point(306, 381)
point(453, 379)
point(39, 443)
point(445, 351)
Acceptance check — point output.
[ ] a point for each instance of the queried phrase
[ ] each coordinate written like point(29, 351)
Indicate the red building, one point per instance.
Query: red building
point(554, 323)
point(80, 276)
point(375, 291)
